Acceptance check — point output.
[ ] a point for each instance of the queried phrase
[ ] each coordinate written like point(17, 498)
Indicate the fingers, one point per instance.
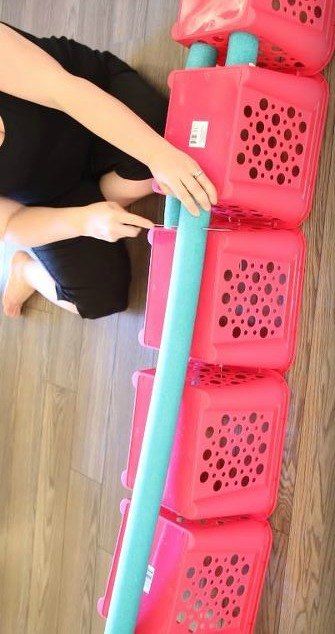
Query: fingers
point(186, 199)
point(165, 189)
point(209, 188)
point(125, 231)
point(132, 219)
point(198, 192)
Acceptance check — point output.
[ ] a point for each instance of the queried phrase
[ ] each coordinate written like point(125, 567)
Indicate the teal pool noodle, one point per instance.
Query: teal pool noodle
point(171, 211)
point(162, 417)
point(161, 422)
point(199, 55)
point(242, 49)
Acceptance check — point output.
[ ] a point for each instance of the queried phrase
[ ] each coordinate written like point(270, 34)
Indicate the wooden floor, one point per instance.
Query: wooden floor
point(66, 399)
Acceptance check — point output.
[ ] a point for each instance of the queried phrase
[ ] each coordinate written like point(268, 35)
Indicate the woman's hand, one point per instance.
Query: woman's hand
point(180, 175)
point(109, 221)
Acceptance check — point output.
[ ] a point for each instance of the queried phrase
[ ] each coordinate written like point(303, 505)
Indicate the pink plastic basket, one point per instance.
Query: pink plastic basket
point(256, 133)
point(294, 36)
point(249, 298)
point(227, 452)
point(201, 578)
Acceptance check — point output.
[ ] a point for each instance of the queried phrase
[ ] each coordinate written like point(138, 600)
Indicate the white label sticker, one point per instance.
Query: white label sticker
point(198, 136)
point(149, 579)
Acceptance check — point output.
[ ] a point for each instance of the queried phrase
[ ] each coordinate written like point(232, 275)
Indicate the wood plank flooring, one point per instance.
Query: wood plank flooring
point(66, 399)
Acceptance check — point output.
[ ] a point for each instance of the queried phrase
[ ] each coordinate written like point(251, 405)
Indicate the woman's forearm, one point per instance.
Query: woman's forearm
point(109, 118)
point(35, 226)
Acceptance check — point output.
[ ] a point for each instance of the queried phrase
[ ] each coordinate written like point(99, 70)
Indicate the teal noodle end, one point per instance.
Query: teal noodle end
point(242, 49)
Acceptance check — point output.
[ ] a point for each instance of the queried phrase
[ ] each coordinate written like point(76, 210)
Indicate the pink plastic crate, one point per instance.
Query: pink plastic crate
point(294, 36)
point(249, 298)
point(202, 578)
point(227, 451)
point(256, 133)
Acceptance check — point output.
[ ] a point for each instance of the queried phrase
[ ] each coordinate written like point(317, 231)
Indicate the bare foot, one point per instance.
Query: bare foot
point(17, 290)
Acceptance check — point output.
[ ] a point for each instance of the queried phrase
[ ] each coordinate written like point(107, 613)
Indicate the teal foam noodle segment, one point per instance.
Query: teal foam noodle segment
point(165, 401)
point(164, 407)
point(242, 49)
point(171, 212)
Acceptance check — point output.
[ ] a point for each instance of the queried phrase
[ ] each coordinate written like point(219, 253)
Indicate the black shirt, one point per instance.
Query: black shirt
point(46, 153)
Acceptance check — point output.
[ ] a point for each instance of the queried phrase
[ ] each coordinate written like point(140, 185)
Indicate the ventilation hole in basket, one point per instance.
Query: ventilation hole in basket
point(181, 617)
point(259, 469)
point(245, 569)
point(220, 464)
point(236, 332)
point(238, 430)
point(232, 472)
point(248, 111)
point(262, 448)
point(186, 595)
point(223, 441)
point(193, 626)
point(217, 485)
point(207, 454)
point(207, 561)
point(225, 419)
point(198, 604)
point(204, 476)
point(230, 581)
point(190, 573)
point(236, 611)
point(214, 593)
point(203, 582)
point(223, 321)
point(265, 426)
point(239, 310)
point(228, 274)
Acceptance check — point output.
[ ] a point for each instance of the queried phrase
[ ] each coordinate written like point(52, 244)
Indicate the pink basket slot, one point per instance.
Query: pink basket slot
point(257, 135)
point(201, 577)
point(296, 37)
point(227, 452)
point(249, 298)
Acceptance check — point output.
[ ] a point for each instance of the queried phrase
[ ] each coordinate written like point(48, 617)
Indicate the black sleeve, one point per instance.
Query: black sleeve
point(77, 58)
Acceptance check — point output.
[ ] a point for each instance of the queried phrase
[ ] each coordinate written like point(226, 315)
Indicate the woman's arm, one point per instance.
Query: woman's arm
point(36, 226)
point(28, 72)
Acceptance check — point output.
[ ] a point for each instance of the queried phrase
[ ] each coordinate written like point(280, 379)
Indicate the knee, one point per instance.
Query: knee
point(122, 190)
